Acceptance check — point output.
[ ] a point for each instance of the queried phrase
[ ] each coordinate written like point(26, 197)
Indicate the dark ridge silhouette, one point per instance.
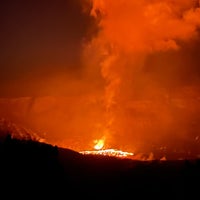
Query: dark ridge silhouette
point(33, 169)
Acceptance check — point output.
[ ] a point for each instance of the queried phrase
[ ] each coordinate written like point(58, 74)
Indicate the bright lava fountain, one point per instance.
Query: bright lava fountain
point(99, 150)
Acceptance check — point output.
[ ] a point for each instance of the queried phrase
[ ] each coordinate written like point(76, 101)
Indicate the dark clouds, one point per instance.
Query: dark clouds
point(39, 41)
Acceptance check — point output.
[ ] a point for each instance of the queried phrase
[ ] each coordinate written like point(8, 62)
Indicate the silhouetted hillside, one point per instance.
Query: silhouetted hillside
point(35, 169)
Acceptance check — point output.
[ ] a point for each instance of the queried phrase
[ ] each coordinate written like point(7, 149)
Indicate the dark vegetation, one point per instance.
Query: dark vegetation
point(32, 169)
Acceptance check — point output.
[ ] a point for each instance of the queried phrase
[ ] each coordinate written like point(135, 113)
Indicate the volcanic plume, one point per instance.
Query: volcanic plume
point(138, 110)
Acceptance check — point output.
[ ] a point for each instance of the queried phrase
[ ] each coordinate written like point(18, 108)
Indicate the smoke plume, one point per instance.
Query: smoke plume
point(130, 31)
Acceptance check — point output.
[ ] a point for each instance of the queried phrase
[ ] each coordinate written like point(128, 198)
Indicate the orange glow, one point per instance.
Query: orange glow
point(135, 108)
point(108, 152)
point(99, 144)
point(127, 89)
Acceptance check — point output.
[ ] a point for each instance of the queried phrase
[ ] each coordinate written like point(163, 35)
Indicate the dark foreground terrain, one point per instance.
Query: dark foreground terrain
point(31, 169)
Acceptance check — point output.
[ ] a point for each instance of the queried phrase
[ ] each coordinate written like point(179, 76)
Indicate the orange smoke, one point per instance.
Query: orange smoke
point(129, 32)
point(146, 25)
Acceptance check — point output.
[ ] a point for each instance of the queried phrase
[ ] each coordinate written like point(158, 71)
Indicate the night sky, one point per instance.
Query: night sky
point(40, 40)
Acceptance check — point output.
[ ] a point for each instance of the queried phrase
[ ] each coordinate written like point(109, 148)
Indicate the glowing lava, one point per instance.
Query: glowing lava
point(99, 144)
